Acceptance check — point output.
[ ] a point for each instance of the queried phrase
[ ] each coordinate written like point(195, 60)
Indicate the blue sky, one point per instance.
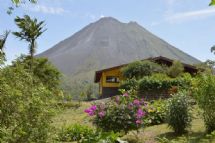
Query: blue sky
point(186, 24)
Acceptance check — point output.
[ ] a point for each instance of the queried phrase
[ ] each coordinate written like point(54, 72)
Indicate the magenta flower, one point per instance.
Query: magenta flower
point(136, 102)
point(125, 94)
point(91, 111)
point(140, 113)
point(138, 121)
point(93, 107)
point(101, 114)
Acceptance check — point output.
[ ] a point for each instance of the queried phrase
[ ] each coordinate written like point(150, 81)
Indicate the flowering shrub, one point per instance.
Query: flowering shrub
point(178, 114)
point(122, 113)
point(156, 113)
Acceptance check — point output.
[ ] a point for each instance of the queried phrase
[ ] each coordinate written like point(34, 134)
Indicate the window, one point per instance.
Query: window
point(112, 79)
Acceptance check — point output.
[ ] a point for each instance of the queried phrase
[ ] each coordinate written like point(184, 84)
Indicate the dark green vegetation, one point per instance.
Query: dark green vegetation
point(205, 90)
point(29, 92)
point(178, 114)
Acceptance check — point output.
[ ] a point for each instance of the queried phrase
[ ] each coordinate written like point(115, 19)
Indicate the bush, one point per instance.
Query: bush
point(156, 113)
point(123, 113)
point(25, 109)
point(84, 134)
point(178, 114)
point(43, 70)
point(176, 69)
point(205, 95)
point(162, 83)
point(129, 84)
point(140, 69)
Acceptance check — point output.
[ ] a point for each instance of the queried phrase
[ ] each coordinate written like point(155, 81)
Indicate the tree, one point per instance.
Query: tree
point(140, 69)
point(17, 4)
point(3, 39)
point(31, 29)
point(212, 2)
point(43, 70)
point(213, 49)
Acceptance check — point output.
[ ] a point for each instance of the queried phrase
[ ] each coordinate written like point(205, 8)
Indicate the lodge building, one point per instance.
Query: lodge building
point(109, 78)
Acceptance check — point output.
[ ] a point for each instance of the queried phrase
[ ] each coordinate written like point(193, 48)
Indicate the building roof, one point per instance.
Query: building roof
point(98, 74)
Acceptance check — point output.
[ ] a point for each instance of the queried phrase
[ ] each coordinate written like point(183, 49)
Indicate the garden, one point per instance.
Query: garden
point(186, 115)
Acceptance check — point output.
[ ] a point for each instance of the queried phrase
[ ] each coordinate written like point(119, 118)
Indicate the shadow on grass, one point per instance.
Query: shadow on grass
point(191, 137)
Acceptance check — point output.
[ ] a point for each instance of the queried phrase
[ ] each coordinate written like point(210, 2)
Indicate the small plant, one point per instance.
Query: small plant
point(156, 113)
point(140, 69)
point(122, 113)
point(205, 95)
point(178, 114)
point(176, 69)
point(85, 134)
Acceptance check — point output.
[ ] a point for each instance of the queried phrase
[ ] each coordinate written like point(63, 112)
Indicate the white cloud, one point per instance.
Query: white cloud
point(45, 9)
point(191, 15)
point(102, 16)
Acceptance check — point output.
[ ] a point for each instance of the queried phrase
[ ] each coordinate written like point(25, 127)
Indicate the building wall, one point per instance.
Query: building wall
point(109, 88)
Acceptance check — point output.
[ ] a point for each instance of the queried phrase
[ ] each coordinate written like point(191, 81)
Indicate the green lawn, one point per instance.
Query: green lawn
point(153, 134)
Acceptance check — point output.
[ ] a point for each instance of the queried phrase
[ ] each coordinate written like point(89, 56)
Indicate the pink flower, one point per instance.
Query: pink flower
point(125, 94)
point(91, 111)
point(130, 105)
point(101, 114)
point(140, 113)
point(93, 107)
point(117, 99)
point(136, 102)
point(138, 121)
point(102, 106)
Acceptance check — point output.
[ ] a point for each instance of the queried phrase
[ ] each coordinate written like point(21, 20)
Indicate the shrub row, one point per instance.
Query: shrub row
point(162, 83)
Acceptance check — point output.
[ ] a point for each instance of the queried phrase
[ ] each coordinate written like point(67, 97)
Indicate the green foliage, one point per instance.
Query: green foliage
point(43, 70)
point(3, 39)
point(122, 113)
point(129, 84)
point(25, 110)
point(178, 114)
point(205, 95)
point(161, 82)
point(140, 69)
point(175, 70)
point(212, 3)
point(156, 113)
point(84, 134)
point(30, 30)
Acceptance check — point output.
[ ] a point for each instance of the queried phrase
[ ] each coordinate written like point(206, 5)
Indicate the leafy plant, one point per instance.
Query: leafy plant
point(43, 70)
point(129, 84)
point(25, 112)
point(30, 30)
point(140, 69)
point(156, 113)
point(205, 95)
point(84, 134)
point(176, 69)
point(122, 113)
point(162, 83)
point(178, 113)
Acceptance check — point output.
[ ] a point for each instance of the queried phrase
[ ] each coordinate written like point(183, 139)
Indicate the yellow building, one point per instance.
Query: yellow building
point(109, 79)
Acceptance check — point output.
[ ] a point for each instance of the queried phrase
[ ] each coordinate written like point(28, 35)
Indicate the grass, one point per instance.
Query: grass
point(153, 134)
